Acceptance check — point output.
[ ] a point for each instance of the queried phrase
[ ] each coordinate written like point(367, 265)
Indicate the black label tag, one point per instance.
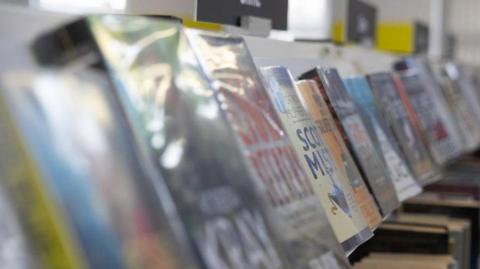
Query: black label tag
point(362, 22)
point(230, 11)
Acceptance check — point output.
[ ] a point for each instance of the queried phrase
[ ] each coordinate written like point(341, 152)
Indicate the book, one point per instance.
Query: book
point(311, 99)
point(459, 233)
point(186, 136)
point(82, 147)
point(464, 116)
point(40, 216)
point(431, 203)
point(406, 260)
point(428, 122)
point(356, 136)
point(391, 106)
point(465, 87)
point(331, 186)
point(361, 94)
point(431, 91)
point(278, 175)
point(397, 237)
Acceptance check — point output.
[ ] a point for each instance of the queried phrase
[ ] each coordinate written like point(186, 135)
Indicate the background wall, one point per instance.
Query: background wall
point(463, 20)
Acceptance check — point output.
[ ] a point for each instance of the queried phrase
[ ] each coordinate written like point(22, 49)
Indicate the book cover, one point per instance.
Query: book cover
point(40, 216)
point(355, 134)
point(464, 116)
point(463, 91)
point(332, 187)
point(311, 99)
point(186, 136)
point(391, 107)
point(277, 173)
point(79, 141)
point(422, 112)
point(431, 89)
point(361, 94)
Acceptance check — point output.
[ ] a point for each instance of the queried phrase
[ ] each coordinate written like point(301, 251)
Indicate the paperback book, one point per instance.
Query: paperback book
point(361, 94)
point(298, 215)
point(422, 112)
point(356, 136)
point(436, 100)
point(390, 105)
point(332, 187)
point(313, 102)
point(186, 136)
point(467, 125)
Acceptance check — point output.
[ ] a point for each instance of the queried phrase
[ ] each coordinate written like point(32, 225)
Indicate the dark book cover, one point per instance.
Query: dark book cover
point(297, 214)
point(356, 136)
point(180, 124)
point(391, 106)
point(361, 94)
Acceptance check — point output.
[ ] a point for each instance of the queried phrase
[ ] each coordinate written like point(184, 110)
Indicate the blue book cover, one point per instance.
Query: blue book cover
point(405, 185)
point(357, 138)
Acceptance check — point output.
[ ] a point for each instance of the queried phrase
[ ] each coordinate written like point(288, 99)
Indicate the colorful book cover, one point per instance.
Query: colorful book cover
point(361, 94)
point(423, 112)
point(79, 142)
point(332, 187)
point(278, 176)
point(177, 119)
point(391, 107)
point(462, 118)
point(41, 217)
point(356, 137)
point(311, 99)
point(432, 89)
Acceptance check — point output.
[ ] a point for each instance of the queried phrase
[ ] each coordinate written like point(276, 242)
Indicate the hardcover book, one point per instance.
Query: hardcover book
point(361, 94)
point(390, 105)
point(332, 187)
point(356, 136)
point(277, 172)
point(458, 229)
point(186, 136)
point(378, 260)
point(311, 99)
point(422, 112)
point(430, 203)
point(406, 238)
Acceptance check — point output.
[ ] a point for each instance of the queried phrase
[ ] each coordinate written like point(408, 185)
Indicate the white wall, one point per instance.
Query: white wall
point(463, 20)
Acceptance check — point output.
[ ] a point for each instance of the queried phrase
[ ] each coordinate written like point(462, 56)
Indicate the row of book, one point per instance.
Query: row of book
point(140, 144)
